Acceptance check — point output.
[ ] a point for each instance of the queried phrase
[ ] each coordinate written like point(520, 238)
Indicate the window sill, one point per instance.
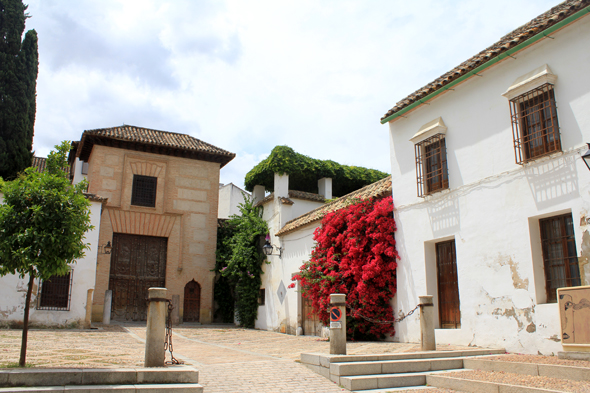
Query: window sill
point(542, 158)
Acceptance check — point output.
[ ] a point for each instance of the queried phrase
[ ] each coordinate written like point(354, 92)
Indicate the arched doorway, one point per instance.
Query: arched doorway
point(192, 302)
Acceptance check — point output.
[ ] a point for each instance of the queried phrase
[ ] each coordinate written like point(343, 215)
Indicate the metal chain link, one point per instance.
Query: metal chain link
point(403, 316)
point(168, 340)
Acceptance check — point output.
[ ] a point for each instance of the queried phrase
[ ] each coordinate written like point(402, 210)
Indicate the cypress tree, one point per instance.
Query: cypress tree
point(19, 65)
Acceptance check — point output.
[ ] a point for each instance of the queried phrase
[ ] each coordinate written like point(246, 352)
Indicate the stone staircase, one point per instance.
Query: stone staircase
point(385, 371)
point(173, 379)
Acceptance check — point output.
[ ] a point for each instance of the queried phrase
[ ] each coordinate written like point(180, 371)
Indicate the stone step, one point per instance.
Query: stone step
point(315, 358)
point(142, 388)
point(114, 376)
point(543, 370)
point(383, 381)
point(476, 386)
point(395, 366)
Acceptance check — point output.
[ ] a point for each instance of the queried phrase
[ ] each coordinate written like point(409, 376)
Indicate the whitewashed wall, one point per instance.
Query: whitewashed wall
point(493, 206)
point(230, 196)
point(13, 290)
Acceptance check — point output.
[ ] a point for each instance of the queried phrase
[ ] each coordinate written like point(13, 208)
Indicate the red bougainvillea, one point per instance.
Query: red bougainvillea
point(355, 255)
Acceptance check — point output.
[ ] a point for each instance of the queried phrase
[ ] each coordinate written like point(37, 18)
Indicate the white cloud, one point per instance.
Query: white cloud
point(249, 75)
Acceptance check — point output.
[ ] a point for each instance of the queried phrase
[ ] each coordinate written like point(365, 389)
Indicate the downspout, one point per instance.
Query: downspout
point(491, 62)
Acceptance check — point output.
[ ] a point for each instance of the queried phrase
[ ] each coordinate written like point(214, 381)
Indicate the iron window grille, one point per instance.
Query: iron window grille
point(56, 293)
point(559, 254)
point(431, 165)
point(534, 124)
point(144, 191)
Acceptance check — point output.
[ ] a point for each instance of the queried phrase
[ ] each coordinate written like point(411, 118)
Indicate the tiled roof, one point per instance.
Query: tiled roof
point(39, 163)
point(96, 198)
point(532, 28)
point(310, 196)
point(378, 189)
point(145, 139)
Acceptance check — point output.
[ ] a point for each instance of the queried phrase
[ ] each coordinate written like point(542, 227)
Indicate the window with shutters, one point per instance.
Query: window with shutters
point(560, 258)
point(144, 191)
point(431, 165)
point(55, 293)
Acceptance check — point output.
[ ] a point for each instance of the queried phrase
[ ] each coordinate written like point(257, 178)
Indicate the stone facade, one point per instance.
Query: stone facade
point(185, 213)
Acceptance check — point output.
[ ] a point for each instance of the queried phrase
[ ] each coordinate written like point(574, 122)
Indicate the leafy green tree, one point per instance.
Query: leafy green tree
point(240, 260)
point(19, 65)
point(42, 224)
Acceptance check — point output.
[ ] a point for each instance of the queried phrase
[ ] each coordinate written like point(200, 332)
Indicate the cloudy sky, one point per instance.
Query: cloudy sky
point(247, 75)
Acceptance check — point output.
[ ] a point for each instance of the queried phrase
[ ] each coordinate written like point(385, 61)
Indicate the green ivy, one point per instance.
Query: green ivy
point(304, 173)
point(239, 264)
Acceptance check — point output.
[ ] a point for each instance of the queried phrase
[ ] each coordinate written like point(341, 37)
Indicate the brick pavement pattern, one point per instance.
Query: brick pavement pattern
point(229, 359)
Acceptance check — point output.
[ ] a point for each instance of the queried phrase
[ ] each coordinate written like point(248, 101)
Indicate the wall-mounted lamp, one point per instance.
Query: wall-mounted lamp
point(105, 249)
point(267, 249)
point(586, 157)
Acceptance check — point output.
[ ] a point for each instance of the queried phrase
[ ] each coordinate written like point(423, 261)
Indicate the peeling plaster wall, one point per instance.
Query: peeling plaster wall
point(284, 317)
point(13, 290)
point(493, 206)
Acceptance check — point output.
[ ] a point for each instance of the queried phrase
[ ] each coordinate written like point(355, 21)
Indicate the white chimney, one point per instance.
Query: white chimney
point(325, 187)
point(281, 185)
point(258, 193)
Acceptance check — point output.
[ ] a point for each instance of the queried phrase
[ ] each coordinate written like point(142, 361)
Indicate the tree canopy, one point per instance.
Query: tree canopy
point(43, 221)
point(304, 173)
point(19, 64)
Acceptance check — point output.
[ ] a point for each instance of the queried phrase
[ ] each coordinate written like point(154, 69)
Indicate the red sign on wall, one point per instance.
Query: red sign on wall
point(335, 314)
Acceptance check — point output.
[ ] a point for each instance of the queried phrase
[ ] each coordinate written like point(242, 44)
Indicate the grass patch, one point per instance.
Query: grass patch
point(14, 365)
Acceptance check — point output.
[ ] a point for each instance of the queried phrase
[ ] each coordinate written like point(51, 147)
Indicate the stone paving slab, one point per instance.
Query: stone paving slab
point(228, 359)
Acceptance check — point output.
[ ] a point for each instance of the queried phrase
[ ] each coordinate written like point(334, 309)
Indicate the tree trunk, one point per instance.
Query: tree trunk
point(23, 345)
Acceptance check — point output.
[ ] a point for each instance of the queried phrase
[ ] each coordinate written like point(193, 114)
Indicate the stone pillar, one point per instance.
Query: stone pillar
point(106, 311)
point(88, 318)
point(337, 324)
point(155, 334)
point(325, 187)
point(258, 193)
point(175, 316)
point(281, 183)
point(427, 324)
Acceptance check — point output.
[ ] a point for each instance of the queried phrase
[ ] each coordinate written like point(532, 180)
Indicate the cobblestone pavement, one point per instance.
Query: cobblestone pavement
point(229, 359)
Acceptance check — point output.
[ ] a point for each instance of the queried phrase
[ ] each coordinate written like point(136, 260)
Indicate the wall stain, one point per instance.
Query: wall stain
point(504, 307)
point(517, 281)
point(531, 328)
point(555, 338)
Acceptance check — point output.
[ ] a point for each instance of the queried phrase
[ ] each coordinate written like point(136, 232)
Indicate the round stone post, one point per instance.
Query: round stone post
point(155, 335)
point(427, 324)
point(106, 311)
point(88, 317)
point(338, 324)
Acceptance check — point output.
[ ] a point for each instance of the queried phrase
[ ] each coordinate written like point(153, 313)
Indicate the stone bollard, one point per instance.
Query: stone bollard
point(175, 315)
point(88, 317)
point(337, 324)
point(427, 324)
point(155, 334)
point(106, 311)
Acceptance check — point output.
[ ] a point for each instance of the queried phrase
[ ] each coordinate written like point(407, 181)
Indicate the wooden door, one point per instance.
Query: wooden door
point(311, 321)
point(137, 263)
point(448, 286)
point(192, 302)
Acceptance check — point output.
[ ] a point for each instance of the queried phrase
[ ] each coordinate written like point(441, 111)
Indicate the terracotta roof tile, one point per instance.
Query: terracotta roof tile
point(39, 163)
point(310, 196)
point(378, 189)
point(130, 137)
point(286, 201)
point(534, 27)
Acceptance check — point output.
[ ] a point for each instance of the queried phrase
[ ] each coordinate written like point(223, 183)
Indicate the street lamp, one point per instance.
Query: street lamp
point(268, 248)
point(586, 156)
point(106, 249)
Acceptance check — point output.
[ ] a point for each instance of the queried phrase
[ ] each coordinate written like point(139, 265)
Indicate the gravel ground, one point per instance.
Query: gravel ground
point(513, 357)
point(562, 385)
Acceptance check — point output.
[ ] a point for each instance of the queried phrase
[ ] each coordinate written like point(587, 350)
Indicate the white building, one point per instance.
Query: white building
point(230, 197)
point(292, 217)
point(63, 300)
point(491, 194)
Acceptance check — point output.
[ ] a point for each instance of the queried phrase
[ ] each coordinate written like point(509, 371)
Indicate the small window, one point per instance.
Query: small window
point(84, 168)
point(144, 191)
point(55, 293)
point(261, 297)
point(559, 254)
point(534, 124)
point(431, 165)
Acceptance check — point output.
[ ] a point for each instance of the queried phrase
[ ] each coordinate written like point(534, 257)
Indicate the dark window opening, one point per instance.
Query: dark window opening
point(559, 254)
point(55, 293)
point(431, 165)
point(261, 297)
point(448, 286)
point(144, 191)
point(534, 124)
